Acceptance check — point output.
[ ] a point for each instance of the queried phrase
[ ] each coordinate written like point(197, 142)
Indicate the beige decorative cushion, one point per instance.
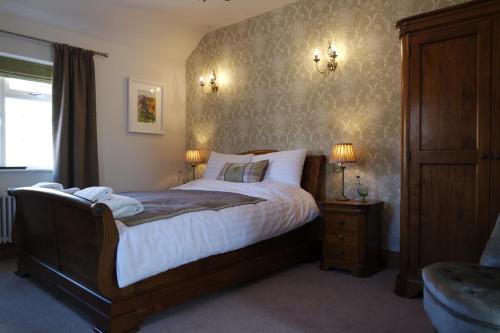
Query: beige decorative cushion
point(243, 172)
point(217, 160)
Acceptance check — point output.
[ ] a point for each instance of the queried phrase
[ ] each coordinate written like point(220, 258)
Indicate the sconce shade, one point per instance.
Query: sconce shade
point(193, 156)
point(342, 153)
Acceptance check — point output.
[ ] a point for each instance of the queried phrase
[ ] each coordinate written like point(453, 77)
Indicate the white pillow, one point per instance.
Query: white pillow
point(216, 162)
point(284, 166)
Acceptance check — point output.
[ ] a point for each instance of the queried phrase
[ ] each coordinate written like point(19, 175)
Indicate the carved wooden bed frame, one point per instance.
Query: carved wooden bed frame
point(69, 244)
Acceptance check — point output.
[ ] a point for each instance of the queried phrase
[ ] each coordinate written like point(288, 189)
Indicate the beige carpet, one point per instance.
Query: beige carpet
point(301, 299)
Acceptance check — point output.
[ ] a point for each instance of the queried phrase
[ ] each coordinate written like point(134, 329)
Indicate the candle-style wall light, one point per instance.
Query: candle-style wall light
point(331, 64)
point(214, 86)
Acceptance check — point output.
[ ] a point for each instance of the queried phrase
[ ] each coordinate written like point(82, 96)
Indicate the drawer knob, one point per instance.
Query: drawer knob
point(340, 236)
point(340, 252)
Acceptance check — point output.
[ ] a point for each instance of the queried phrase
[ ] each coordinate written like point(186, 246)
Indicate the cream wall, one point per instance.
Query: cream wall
point(272, 97)
point(127, 161)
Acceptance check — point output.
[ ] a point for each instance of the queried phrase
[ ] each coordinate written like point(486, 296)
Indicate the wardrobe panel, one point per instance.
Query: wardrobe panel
point(449, 94)
point(449, 226)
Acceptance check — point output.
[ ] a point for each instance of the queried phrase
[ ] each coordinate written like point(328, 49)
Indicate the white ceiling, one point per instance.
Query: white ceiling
point(202, 16)
point(168, 27)
point(211, 14)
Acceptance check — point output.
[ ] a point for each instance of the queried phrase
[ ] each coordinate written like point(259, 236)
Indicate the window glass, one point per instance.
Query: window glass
point(25, 123)
point(32, 87)
point(28, 133)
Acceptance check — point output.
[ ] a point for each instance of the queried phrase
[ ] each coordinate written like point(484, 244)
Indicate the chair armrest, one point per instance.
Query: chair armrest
point(491, 253)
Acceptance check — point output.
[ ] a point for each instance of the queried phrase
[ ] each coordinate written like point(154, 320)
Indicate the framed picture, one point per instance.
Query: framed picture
point(145, 106)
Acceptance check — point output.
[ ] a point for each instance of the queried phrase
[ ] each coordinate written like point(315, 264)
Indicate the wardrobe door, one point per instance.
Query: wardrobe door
point(495, 127)
point(449, 144)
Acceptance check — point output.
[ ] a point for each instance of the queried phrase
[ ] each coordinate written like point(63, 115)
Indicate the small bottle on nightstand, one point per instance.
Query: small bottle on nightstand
point(357, 185)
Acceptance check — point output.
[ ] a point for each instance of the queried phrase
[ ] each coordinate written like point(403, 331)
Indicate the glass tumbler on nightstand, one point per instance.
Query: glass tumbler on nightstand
point(363, 193)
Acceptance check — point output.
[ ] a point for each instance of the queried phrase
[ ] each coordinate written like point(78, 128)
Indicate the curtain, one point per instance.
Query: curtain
point(74, 117)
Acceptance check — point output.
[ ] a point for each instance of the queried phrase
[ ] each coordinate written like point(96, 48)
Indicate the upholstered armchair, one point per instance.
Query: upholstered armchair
point(465, 298)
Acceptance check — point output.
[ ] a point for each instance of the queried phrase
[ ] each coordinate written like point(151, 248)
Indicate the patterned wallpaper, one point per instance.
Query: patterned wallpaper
point(271, 95)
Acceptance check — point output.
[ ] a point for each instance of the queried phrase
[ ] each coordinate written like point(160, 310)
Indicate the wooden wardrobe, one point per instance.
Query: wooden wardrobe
point(450, 195)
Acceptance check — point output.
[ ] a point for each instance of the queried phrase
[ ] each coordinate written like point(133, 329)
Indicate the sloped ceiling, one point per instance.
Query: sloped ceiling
point(110, 18)
point(211, 14)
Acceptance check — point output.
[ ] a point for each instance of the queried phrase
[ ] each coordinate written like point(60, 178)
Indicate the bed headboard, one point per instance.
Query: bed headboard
point(312, 174)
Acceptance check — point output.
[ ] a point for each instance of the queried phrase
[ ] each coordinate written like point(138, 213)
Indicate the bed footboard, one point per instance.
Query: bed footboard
point(71, 237)
point(70, 244)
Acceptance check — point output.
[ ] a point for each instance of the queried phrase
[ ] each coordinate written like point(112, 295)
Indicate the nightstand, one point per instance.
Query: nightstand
point(351, 236)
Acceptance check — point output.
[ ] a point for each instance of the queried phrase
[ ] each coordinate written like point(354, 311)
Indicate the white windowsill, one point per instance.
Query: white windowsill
point(28, 170)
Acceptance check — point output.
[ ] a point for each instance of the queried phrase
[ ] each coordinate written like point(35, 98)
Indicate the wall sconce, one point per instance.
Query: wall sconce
point(214, 87)
point(332, 58)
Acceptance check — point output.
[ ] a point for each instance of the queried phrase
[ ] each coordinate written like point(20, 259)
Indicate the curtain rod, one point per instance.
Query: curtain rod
point(102, 54)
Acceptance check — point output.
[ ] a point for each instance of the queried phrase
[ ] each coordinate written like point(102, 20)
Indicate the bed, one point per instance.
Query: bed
point(71, 245)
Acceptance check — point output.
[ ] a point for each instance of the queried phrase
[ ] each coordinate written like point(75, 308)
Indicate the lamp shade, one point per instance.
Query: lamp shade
point(342, 153)
point(193, 156)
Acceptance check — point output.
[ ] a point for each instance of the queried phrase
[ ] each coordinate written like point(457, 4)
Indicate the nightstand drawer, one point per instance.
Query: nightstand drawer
point(340, 222)
point(345, 237)
point(350, 236)
point(334, 251)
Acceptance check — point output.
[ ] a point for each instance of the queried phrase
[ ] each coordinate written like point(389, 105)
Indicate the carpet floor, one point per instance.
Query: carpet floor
point(300, 299)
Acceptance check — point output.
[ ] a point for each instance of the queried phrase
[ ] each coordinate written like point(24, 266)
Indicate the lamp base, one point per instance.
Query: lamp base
point(342, 196)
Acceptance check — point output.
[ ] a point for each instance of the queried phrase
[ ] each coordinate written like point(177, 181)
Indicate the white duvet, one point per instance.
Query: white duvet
point(151, 248)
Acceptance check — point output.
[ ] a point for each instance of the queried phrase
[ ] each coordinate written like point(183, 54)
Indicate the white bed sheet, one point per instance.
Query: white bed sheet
point(151, 248)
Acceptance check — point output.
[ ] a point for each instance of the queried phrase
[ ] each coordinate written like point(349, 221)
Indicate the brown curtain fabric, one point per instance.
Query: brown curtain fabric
point(74, 117)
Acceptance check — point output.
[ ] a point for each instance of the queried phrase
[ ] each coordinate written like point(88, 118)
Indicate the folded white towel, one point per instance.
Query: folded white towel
point(70, 190)
point(52, 186)
point(128, 211)
point(95, 193)
point(123, 206)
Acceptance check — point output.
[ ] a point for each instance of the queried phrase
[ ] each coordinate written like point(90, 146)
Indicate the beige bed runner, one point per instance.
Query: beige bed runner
point(170, 203)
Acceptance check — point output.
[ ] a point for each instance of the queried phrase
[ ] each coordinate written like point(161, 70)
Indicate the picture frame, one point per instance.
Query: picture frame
point(145, 106)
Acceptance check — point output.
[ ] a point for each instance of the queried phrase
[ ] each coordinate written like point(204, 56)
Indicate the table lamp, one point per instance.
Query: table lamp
point(342, 153)
point(193, 157)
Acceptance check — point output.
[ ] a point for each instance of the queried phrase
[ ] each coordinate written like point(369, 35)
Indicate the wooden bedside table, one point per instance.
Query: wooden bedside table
point(351, 236)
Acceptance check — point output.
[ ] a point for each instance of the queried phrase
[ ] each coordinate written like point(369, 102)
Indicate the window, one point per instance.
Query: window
point(25, 120)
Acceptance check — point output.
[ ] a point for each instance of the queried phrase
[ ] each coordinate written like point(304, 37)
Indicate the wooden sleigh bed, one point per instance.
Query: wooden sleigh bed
point(70, 244)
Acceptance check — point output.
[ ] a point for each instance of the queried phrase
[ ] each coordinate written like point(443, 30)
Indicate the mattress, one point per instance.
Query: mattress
point(148, 249)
